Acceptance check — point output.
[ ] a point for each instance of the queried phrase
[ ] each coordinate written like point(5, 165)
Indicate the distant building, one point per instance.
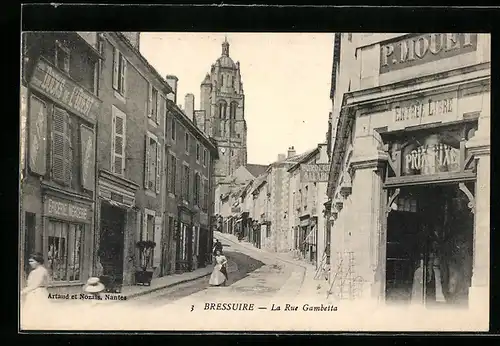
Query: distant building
point(222, 113)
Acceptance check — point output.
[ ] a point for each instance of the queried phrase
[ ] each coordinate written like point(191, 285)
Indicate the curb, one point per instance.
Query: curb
point(141, 293)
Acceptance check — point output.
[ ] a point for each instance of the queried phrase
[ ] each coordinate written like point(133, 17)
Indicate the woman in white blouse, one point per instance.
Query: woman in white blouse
point(35, 295)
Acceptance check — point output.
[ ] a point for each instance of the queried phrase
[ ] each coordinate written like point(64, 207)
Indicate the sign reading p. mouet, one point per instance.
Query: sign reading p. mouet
point(59, 87)
point(423, 48)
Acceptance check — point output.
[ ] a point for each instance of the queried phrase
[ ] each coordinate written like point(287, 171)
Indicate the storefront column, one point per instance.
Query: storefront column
point(479, 146)
point(365, 230)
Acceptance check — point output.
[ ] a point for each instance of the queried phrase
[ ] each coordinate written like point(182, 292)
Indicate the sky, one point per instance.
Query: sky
point(286, 79)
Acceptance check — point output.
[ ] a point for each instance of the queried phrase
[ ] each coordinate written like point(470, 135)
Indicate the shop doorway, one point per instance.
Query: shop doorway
point(429, 246)
point(111, 246)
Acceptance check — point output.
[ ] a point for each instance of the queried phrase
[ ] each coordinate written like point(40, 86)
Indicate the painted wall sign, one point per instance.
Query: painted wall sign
point(37, 136)
point(424, 48)
point(59, 87)
point(87, 158)
point(67, 210)
point(425, 110)
point(430, 159)
point(314, 173)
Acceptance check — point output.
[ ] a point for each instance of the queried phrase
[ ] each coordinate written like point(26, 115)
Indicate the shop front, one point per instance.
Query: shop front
point(67, 238)
point(116, 230)
point(184, 239)
point(203, 243)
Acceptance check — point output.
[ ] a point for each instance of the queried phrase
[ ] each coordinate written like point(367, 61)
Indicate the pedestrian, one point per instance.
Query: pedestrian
point(93, 288)
point(34, 297)
point(217, 247)
point(219, 274)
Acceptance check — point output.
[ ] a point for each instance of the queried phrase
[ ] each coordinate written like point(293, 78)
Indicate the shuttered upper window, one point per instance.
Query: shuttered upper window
point(172, 173)
point(153, 108)
point(62, 147)
point(119, 71)
point(152, 171)
point(197, 189)
point(205, 195)
point(118, 141)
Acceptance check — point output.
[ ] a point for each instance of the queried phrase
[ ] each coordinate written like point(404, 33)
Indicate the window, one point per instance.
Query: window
point(186, 142)
point(222, 110)
point(205, 195)
point(185, 179)
point(62, 57)
point(232, 81)
point(205, 157)
point(221, 80)
point(172, 128)
point(153, 108)
point(118, 141)
point(62, 147)
point(198, 152)
point(148, 233)
point(232, 116)
point(172, 170)
point(65, 251)
point(306, 195)
point(197, 190)
point(152, 164)
point(119, 71)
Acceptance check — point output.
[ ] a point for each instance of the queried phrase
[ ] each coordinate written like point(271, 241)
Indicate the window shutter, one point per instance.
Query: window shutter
point(118, 142)
point(146, 161)
point(158, 167)
point(116, 65)
point(58, 144)
point(168, 159)
point(158, 104)
point(144, 232)
point(123, 74)
point(68, 150)
point(150, 100)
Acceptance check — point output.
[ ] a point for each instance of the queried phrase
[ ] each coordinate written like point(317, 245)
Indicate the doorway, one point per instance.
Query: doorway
point(112, 246)
point(429, 246)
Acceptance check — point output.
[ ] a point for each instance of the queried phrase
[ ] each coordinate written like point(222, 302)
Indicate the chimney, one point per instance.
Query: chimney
point(134, 37)
point(172, 81)
point(281, 157)
point(189, 106)
point(291, 152)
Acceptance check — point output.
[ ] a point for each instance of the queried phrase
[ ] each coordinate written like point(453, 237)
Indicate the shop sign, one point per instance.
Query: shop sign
point(431, 159)
point(37, 136)
point(424, 48)
point(66, 209)
point(425, 110)
point(314, 173)
point(87, 158)
point(55, 84)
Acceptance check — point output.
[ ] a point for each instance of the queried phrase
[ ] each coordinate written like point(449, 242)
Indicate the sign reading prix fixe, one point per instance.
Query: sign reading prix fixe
point(66, 210)
point(315, 173)
point(59, 87)
point(424, 48)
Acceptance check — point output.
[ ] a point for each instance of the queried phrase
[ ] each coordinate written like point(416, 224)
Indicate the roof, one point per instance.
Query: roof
point(259, 181)
point(294, 159)
point(303, 158)
point(256, 170)
point(227, 62)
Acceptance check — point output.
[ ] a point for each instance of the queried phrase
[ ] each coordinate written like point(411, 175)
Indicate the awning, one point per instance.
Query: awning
point(117, 204)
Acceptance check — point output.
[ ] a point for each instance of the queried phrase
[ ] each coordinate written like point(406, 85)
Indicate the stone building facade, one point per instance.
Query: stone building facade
point(409, 175)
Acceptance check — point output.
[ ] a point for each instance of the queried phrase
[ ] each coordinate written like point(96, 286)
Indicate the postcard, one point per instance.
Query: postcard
point(200, 181)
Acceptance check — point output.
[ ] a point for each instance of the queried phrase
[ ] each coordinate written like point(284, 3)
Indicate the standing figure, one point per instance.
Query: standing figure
point(219, 274)
point(34, 296)
point(217, 247)
point(94, 287)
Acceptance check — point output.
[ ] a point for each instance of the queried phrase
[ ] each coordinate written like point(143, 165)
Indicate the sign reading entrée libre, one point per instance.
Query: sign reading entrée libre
point(53, 83)
point(424, 48)
point(66, 209)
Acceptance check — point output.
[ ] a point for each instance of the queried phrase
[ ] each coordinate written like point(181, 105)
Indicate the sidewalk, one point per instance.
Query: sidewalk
point(166, 281)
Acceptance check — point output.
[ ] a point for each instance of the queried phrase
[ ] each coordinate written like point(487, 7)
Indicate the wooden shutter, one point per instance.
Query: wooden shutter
point(58, 144)
point(116, 66)
point(158, 167)
point(168, 158)
point(123, 74)
point(147, 161)
point(150, 100)
point(158, 104)
point(175, 189)
point(118, 142)
point(157, 239)
point(144, 231)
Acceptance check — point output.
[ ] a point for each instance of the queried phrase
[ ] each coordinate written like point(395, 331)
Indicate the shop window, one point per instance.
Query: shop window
point(62, 147)
point(119, 71)
point(152, 164)
point(62, 56)
point(407, 204)
point(148, 232)
point(64, 251)
point(118, 141)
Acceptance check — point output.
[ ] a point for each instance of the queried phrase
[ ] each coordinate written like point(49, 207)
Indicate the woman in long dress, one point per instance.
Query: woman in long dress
point(34, 296)
point(219, 274)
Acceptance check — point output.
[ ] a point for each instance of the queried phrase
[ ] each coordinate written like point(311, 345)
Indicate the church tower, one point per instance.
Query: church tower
point(222, 101)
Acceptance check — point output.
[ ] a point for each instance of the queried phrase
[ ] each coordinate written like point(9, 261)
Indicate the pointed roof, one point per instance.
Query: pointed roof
point(256, 170)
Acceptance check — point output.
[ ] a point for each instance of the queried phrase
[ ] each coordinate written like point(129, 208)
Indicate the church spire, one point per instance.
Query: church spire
point(225, 47)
